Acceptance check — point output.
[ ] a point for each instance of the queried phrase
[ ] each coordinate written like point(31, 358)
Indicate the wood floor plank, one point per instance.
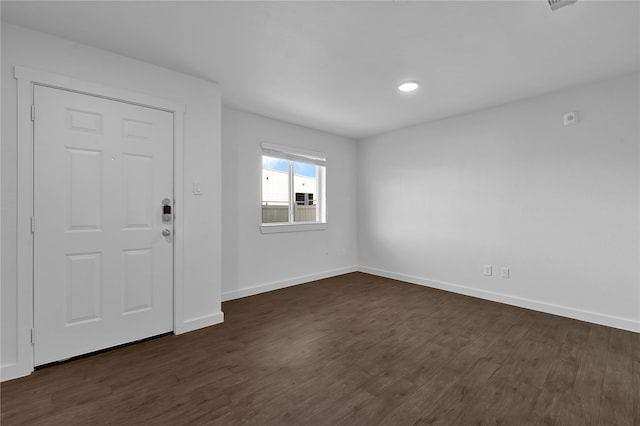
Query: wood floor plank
point(451, 372)
point(617, 401)
point(587, 386)
point(554, 398)
point(636, 379)
point(467, 382)
point(349, 350)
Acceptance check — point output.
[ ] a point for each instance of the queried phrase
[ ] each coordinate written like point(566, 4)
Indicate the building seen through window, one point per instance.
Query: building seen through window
point(290, 190)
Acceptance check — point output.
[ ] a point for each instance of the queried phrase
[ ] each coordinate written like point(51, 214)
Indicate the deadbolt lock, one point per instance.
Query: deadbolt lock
point(167, 217)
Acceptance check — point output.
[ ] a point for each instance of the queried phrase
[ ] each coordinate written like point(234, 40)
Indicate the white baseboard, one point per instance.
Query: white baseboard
point(14, 371)
point(593, 317)
point(250, 291)
point(200, 322)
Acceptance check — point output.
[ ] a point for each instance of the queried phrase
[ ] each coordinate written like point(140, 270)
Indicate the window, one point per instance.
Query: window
point(293, 189)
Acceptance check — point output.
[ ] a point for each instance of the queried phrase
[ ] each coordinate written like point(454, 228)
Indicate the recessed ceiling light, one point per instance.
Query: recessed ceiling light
point(408, 86)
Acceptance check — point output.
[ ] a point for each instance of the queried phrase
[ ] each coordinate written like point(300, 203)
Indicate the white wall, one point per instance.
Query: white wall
point(512, 186)
point(254, 262)
point(202, 161)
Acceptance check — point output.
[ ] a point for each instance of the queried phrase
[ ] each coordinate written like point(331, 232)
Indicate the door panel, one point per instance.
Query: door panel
point(137, 189)
point(83, 287)
point(84, 189)
point(103, 271)
point(137, 282)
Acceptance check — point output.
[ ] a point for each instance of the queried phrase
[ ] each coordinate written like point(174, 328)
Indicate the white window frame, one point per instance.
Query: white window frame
point(305, 156)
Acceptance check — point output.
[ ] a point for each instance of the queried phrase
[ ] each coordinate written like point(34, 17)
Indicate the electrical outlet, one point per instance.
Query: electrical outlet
point(504, 272)
point(487, 270)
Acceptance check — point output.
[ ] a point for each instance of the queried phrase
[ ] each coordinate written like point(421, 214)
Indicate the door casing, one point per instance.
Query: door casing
point(26, 80)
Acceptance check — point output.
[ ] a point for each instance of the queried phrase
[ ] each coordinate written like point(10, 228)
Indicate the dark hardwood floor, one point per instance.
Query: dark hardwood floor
point(350, 350)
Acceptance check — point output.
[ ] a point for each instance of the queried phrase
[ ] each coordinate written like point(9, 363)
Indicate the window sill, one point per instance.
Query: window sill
point(291, 227)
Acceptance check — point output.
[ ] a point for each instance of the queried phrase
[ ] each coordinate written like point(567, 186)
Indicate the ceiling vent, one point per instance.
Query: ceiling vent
point(557, 4)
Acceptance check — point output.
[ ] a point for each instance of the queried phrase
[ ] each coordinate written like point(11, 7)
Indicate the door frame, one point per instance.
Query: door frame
point(26, 80)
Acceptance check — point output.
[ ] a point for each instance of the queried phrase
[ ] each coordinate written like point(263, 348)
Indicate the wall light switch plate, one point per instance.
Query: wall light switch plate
point(487, 270)
point(504, 272)
point(197, 188)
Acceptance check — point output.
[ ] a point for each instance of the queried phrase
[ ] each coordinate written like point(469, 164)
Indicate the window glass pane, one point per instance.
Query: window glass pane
point(275, 190)
point(304, 169)
point(305, 185)
point(272, 163)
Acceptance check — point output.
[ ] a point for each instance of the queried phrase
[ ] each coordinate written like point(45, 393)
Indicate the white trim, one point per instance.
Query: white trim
point(292, 191)
point(564, 311)
point(275, 228)
point(24, 237)
point(14, 371)
point(26, 79)
point(276, 285)
point(200, 322)
point(294, 154)
point(75, 85)
point(178, 222)
point(322, 194)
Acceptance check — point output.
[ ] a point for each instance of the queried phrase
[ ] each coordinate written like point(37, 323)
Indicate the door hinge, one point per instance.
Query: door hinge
point(33, 113)
point(33, 224)
point(33, 336)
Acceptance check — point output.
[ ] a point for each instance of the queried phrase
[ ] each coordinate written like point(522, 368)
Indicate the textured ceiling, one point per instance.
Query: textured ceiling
point(334, 66)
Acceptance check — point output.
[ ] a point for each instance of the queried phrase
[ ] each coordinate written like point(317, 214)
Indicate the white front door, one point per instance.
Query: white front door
point(103, 270)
